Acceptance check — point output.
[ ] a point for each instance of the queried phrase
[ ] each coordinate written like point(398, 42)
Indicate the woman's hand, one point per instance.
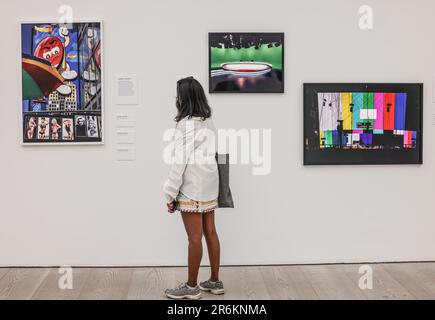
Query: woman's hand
point(171, 206)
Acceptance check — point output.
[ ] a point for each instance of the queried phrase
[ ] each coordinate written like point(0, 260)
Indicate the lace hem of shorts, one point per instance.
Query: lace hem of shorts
point(197, 210)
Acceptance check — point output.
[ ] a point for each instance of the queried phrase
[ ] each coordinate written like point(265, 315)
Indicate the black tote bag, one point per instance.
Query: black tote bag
point(225, 199)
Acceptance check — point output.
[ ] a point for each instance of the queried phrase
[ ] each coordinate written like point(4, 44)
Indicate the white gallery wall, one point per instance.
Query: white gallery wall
point(78, 205)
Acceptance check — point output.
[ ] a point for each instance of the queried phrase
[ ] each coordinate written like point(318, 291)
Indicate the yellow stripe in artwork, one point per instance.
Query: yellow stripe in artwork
point(322, 139)
point(346, 101)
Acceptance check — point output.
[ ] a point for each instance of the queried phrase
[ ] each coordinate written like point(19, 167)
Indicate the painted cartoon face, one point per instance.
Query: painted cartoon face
point(50, 49)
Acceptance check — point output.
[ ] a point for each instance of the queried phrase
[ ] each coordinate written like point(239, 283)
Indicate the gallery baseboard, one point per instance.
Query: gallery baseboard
point(223, 266)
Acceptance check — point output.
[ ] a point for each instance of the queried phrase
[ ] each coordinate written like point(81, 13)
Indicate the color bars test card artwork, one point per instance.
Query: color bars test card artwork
point(246, 62)
point(61, 83)
point(362, 124)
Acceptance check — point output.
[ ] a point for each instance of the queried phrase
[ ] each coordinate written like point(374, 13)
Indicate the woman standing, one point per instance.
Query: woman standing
point(55, 127)
point(192, 186)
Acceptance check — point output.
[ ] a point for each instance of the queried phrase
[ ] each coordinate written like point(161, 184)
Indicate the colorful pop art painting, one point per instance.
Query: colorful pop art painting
point(362, 123)
point(61, 80)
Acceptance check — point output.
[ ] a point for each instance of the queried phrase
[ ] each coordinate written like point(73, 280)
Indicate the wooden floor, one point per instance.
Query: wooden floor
point(390, 281)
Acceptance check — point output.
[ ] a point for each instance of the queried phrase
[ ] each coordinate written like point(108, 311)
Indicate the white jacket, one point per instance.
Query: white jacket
point(194, 169)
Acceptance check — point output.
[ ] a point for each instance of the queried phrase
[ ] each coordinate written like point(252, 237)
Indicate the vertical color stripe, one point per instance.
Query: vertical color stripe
point(357, 101)
point(389, 106)
point(400, 111)
point(368, 105)
point(346, 110)
point(322, 138)
point(378, 124)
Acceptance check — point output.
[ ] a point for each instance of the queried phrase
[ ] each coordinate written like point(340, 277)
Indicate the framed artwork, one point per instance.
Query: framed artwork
point(363, 123)
point(246, 62)
point(62, 92)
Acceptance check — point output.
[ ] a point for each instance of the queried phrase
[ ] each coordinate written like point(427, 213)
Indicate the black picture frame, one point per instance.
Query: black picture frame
point(355, 156)
point(278, 90)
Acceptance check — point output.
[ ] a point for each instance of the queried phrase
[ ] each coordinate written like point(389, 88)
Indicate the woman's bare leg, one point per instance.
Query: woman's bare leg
point(193, 226)
point(213, 244)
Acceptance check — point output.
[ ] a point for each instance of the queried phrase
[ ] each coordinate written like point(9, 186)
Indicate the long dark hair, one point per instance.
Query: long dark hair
point(191, 100)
